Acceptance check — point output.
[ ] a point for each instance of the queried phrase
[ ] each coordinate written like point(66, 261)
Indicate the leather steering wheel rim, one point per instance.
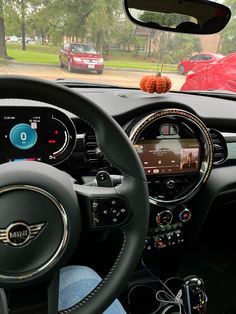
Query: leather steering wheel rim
point(119, 151)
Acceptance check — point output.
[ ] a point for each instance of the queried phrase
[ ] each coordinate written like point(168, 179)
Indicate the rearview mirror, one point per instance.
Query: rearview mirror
point(183, 16)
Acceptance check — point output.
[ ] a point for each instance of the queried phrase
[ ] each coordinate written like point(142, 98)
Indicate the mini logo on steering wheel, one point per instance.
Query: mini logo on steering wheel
point(19, 233)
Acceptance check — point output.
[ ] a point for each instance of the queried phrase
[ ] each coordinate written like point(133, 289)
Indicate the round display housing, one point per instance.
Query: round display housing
point(176, 151)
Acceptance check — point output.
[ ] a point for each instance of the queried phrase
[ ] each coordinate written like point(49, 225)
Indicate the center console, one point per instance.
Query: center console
point(167, 227)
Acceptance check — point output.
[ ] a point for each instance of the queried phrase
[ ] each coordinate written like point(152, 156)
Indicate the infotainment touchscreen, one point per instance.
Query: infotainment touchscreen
point(169, 156)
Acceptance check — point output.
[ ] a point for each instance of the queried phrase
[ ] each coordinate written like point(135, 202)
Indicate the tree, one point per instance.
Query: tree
point(124, 33)
point(163, 19)
point(102, 20)
point(12, 19)
point(181, 46)
point(75, 15)
point(39, 23)
point(228, 35)
point(3, 50)
point(58, 18)
point(15, 15)
point(162, 38)
point(23, 16)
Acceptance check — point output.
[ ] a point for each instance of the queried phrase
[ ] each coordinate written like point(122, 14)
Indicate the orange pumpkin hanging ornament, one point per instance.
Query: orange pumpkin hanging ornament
point(155, 84)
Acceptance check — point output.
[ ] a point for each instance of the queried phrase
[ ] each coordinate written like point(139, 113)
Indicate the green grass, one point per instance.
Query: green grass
point(35, 47)
point(117, 59)
point(138, 65)
point(125, 55)
point(33, 54)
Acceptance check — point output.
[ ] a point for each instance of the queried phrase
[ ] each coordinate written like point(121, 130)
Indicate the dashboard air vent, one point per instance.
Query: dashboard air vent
point(94, 157)
point(220, 151)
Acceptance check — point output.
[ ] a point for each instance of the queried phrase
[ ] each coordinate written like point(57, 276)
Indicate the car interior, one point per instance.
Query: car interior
point(140, 187)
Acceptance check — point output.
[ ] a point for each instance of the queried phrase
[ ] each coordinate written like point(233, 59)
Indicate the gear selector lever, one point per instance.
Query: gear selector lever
point(194, 295)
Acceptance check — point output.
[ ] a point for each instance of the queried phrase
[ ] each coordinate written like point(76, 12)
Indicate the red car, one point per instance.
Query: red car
point(200, 59)
point(220, 75)
point(77, 56)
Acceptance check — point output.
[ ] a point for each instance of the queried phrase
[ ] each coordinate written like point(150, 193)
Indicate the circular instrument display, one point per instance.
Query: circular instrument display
point(22, 136)
point(36, 134)
point(176, 151)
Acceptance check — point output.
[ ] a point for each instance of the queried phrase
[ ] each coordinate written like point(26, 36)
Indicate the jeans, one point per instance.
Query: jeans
point(78, 281)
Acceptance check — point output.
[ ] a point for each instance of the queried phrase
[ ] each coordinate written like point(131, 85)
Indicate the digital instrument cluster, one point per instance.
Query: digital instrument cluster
point(35, 134)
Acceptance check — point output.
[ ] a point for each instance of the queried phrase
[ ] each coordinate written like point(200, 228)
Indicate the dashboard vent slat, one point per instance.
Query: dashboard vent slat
point(94, 157)
point(220, 151)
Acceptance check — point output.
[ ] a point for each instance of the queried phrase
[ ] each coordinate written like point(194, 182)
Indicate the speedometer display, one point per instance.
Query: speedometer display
point(35, 133)
point(23, 136)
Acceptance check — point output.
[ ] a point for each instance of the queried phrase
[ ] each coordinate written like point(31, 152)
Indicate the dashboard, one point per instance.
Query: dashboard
point(186, 144)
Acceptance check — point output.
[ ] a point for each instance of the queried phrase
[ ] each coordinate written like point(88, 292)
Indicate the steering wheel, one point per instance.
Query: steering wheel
point(42, 209)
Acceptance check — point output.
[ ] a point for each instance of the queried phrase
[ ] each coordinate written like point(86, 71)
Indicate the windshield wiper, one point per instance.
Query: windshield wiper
point(78, 83)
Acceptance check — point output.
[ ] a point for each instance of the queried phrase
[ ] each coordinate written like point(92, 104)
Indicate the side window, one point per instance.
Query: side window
point(194, 58)
point(201, 57)
point(206, 57)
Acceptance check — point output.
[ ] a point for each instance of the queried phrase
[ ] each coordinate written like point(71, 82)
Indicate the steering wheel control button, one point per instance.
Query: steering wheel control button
point(22, 136)
point(95, 205)
point(20, 233)
point(164, 218)
point(185, 215)
point(108, 212)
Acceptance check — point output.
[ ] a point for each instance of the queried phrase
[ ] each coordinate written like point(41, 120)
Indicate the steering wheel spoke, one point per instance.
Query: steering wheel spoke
point(103, 208)
point(43, 300)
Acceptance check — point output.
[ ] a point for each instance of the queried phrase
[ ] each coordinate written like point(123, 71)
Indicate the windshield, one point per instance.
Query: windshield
point(94, 42)
point(82, 48)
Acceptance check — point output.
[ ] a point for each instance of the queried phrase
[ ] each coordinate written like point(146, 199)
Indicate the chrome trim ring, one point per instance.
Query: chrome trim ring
point(159, 215)
point(207, 162)
point(58, 253)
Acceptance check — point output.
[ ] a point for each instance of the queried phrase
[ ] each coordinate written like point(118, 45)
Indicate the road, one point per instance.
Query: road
point(115, 77)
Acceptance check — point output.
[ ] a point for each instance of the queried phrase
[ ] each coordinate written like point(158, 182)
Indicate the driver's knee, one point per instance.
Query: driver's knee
point(71, 274)
point(76, 282)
